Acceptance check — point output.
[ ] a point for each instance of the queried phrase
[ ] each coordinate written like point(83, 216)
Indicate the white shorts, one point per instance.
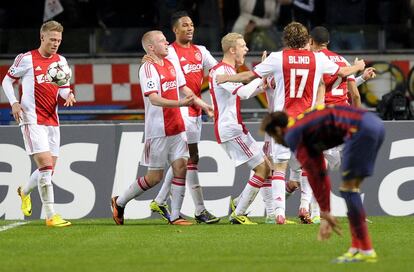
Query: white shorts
point(40, 138)
point(244, 149)
point(333, 157)
point(277, 152)
point(162, 151)
point(193, 128)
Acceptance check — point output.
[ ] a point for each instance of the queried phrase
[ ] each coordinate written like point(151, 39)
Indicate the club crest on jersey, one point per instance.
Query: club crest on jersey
point(198, 56)
point(150, 84)
point(172, 71)
point(168, 85)
point(12, 71)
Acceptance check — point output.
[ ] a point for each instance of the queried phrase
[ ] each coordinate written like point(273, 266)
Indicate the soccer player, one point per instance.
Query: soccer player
point(165, 137)
point(362, 134)
point(297, 73)
point(37, 116)
point(193, 60)
point(229, 129)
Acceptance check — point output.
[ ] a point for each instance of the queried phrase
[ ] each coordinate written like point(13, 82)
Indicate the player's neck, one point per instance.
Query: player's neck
point(185, 44)
point(44, 53)
point(229, 60)
point(157, 59)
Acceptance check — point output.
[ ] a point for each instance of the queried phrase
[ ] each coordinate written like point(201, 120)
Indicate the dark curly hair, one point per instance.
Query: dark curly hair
point(295, 35)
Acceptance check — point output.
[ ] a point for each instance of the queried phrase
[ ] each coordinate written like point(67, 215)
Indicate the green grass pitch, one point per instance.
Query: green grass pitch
point(151, 245)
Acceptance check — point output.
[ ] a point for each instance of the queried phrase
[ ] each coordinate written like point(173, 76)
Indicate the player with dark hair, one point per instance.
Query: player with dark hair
point(362, 134)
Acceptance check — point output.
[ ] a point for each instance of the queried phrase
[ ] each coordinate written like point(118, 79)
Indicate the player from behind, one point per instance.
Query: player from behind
point(193, 59)
point(362, 134)
point(229, 129)
point(165, 137)
point(297, 73)
point(36, 113)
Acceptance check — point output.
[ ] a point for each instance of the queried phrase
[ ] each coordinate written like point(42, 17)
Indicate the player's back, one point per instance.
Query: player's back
point(324, 127)
point(336, 89)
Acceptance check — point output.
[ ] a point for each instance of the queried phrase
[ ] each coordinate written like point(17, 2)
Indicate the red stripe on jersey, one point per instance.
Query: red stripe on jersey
point(28, 139)
point(20, 57)
point(245, 148)
point(236, 90)
point(13, 77)
point(147, 67)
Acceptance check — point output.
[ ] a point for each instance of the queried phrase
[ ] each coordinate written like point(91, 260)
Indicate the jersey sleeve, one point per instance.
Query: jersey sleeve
point(22, 63)
point(208, 60)
point(230, 87)
point(149, 79)
point(269, 65)
point(326, 65)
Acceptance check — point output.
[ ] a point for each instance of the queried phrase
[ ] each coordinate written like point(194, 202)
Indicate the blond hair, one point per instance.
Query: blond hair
point(147, 39)
point(230, 40)
point(51, 26)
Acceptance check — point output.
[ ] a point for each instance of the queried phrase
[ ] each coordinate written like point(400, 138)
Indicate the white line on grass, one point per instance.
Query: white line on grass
point(13, 225)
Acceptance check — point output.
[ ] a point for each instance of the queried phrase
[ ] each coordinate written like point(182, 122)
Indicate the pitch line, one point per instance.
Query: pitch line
point(13, 225)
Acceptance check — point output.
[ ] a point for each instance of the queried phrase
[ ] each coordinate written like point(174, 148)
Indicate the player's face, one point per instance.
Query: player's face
point(160, 44)
point(184, 30)
point(50, 42)
point(241, 51)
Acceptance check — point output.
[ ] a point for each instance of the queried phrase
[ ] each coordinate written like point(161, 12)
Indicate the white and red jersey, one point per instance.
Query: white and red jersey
point(165, 81)
point(336, 87)
point(297, 75)
point(39, 98)
point(228, 123)
point(193, 60)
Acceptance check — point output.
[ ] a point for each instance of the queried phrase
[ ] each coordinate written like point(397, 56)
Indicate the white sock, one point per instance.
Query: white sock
point(34, 177)
point(45, 188)
point(279, 194)
point(249, 194)
point(194, 187)
point(134, 190)
point(306, 192)
point(177, 196)
point(165, 190)
point(266, 192)
point(315, 210)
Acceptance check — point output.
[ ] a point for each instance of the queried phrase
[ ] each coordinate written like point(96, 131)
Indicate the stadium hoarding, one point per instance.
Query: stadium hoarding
point(99, 161)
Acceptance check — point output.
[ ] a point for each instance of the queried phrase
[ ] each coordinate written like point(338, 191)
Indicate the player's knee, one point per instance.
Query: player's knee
point(262, 170)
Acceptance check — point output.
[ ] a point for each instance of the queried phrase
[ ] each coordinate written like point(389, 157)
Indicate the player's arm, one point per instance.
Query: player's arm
point(354, 93)
point(320, 94)
point(199, 102)
point(367, 75)
point(250, 90)
point(7, 85)
point(157, 100)
point(359, 65)
point(244, 77)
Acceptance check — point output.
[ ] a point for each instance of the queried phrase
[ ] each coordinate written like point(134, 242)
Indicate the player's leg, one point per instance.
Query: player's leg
point(305, 199)
point(178, 156)
point(266, 189)
point(159, 204)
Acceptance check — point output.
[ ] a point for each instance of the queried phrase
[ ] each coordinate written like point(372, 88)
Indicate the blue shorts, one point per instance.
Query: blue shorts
point(361, 149)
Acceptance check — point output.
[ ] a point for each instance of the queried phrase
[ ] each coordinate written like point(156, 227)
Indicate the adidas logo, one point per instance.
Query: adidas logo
point(38, 68)
point(183, 59)
point(162, 77)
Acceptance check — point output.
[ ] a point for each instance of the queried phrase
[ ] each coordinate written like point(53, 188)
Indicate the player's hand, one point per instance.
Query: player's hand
point(147, 58)
point(369, 73)
point(328, 225)
point(264, 55)
point(221, 79)
point(360, 63)
point(17, 112)
point(209, 111)
point(187, 101)
point(70, 100)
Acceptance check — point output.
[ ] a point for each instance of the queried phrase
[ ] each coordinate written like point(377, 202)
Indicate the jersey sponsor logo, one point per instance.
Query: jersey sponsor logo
point(191, 68)
point(40, 78)
point(168, 85)
point(150, 84)
point(198, 56)
point(299, 59)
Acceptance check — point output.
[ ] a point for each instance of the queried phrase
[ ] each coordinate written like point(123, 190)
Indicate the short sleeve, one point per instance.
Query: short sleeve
point(208, 60)
point(327, 66)
point(269, 65)
point(149, 79)
point(22, 63)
